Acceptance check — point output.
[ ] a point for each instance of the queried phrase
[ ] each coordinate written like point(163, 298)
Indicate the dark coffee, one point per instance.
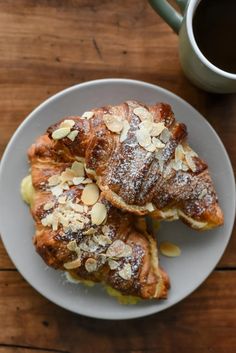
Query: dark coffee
point(214, 28)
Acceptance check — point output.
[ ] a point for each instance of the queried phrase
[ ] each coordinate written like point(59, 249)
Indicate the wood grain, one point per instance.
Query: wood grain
point(46, 46)
point(193, 325)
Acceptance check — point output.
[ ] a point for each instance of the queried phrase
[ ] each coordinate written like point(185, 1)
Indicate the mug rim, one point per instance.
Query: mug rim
point(189, 26)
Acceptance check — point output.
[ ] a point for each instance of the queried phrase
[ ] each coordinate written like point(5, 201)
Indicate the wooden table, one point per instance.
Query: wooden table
point(45, 47)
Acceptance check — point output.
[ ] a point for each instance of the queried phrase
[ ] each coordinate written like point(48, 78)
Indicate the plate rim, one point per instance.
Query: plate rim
point(144, 84)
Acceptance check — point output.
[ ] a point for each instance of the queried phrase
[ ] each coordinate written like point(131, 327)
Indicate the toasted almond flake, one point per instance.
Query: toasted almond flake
point(157, 129)
point(44, 221)
point(57, 190)
point(91, 265)
point(90, 171)
point(80, 159)
point(165, 135)
point(88, 115)
point(55, 222)
point(126, 272)
point(87, 181)
point(78, 180)
point(67, 123)
point(147, 125)
point(190, 162)
point(90, 231)
point(116, 249)
point(90, 194)
point(157, 143)
point(78, 169)
point(98, 213)
point(67, 175)
point(106, 230)
point(72, 245)
point(102, 239)
point(113, 264)
point(77, 208)
point(60, 133)
point(48, 206)
point(143, 137)
point(176, 165)
point(150, 207)
point(150, 148)
point(72, 135)
point(127, 251)
point(72, 264)
point(185, 167)
point(169, 249)
point(114, 123)
point(65, 186)
point(143, 113)
point(179, 153)
point(124, 132)
point(62, 199)
point(54, 180)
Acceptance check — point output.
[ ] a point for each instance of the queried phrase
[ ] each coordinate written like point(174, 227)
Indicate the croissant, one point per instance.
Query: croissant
point(80, 232)
point(142, 162)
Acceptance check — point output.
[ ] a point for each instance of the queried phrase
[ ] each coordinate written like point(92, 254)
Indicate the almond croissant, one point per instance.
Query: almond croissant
point(142, 162)
point(79, 231)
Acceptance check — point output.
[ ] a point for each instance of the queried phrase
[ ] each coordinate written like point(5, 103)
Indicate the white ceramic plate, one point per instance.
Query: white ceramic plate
point(200, 251)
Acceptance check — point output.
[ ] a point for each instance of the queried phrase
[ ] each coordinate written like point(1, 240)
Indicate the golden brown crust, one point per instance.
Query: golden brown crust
point(131, 177)
point(146, 281)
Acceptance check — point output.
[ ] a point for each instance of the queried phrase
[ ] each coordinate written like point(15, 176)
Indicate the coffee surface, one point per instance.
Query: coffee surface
point(214, 28)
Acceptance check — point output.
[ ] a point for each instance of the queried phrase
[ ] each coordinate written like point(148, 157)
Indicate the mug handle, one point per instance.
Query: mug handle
point(168, 13)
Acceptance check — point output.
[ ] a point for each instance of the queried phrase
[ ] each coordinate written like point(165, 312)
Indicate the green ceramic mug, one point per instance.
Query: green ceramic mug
point(194, 64)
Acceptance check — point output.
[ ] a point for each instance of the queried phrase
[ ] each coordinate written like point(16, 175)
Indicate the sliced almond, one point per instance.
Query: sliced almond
point(157, 143)
point(78, 169)
point(67, 175)
point(127, 251)
point(73, 264)
point(114, 123)
point(143, 137)
point(150, 148)
point(77, 208)
point(150, 207)
point(106, 230)
point(54, 180)
point(60, 133)
point(157, 129)
point(62, 199)
point(67, 123)
point(72, 245)
point(72, 135)
point(90, 231)
point(179, 153)
point(113, 264)
point(116, 249)
point(169, 249)
point(87, 181)
point(91, 265)
point(143, 113)
point(190, 162)
point(98, 213)
point(126, 272)
point(102, 239)
point(80, 159)
point(90, 194)
point(78, 180)
point(48, 206)
point(88, 115)
point(57, 190)
point(147, 125)
point(165, 135)
point(124, 132)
